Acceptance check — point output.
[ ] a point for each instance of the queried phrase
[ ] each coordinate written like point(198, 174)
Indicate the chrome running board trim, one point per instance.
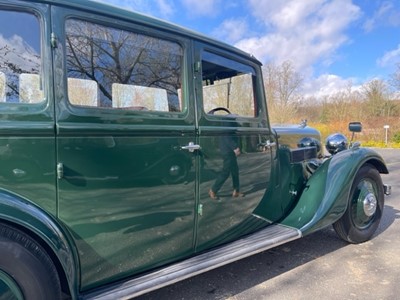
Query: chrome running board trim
point(262, 240)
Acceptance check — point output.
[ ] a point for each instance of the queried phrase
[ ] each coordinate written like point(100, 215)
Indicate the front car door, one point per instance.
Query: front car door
point(235, 160)
point(126, 181)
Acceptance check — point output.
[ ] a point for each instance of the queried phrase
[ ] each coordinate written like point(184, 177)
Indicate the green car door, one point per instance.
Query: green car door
point(125, 126)
point(236, 148)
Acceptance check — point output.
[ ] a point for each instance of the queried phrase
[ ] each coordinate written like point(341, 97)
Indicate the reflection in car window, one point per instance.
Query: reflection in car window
point(227, 86)
point(20, 60)
point(114, 68)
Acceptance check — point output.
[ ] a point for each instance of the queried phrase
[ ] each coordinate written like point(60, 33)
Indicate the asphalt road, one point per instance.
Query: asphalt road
point(318, 266)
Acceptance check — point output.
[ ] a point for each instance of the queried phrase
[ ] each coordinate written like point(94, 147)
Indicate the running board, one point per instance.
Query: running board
point(271, 236)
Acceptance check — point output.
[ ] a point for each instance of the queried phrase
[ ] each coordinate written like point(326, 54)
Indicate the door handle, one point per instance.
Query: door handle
point(191, 147)
point(268, 144)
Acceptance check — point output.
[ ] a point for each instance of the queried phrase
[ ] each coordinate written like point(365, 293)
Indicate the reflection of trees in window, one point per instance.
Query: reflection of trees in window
point(106, 56)
point(18, 57)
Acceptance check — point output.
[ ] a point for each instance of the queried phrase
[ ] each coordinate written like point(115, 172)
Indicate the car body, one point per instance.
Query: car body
point(113, 132)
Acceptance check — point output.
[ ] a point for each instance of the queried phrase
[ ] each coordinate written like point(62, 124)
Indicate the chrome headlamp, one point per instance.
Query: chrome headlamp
point(336, 142)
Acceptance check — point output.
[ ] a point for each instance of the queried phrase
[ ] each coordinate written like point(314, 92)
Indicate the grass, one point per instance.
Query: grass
point(368, 137)
point(376, 144)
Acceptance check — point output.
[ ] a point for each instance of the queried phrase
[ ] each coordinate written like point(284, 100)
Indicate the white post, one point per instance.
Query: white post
point(386, 127)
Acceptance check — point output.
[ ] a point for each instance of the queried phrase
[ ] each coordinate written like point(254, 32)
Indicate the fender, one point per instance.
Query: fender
point(17, 210)
point(325, 196)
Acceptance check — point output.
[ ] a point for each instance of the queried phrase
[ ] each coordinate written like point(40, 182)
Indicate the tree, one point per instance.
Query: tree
point(16, 58)
point(377, 98)
point(343, 106)
point(282, 84)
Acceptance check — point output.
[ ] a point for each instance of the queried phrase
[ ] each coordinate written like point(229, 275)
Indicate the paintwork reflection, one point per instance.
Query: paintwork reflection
point(229, 217)
point(120, 205)
point(29, 174)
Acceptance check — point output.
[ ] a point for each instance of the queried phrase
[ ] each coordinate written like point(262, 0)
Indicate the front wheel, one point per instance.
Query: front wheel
point(365, 207)
point(26, 271)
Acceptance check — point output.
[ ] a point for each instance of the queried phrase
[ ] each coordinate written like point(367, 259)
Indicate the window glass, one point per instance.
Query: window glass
point(20, 59)
point(227, 86)
point(113, 68)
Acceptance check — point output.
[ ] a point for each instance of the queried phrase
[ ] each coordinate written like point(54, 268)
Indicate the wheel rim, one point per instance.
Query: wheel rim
point(9, 288)
point(364, 204)
point(175, 173)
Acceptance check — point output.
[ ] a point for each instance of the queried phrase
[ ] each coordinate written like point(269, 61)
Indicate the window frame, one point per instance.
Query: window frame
point(257, 97)
point(135, 28)
point(40, 12)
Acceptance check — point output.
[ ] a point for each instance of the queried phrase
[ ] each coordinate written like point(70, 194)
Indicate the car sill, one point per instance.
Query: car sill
point(264, 239)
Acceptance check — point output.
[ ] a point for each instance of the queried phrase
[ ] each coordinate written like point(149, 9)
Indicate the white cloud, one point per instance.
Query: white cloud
point(390, 58)
point(135, 5)
point(304, 32)
point(385, 15)
point(327, 85)
point(166, 8)
point(160, 8)
point(231, 30)
point(202, 7)
point(16, 52)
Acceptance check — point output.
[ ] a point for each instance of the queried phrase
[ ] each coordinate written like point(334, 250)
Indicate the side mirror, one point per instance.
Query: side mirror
point(355, 127)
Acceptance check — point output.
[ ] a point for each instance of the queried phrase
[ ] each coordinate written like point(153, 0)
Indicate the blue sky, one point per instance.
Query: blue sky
point(330, 42)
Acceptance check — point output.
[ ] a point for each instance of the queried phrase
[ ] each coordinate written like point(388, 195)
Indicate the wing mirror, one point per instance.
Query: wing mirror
point(354, 127)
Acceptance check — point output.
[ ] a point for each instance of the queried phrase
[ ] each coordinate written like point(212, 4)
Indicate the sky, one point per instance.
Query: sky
point(331, 43)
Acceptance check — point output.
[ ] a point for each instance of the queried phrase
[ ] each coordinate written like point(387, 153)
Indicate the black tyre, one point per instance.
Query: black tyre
point(26, 271)
point(365, 207)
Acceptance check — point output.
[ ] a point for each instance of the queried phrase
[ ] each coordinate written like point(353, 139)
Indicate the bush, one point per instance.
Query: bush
point(396, 137)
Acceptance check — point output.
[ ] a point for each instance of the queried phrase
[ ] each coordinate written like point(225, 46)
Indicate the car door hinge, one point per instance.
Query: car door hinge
point(197, 66)
point(60, 170)
point(200, 210)
point(53, 40)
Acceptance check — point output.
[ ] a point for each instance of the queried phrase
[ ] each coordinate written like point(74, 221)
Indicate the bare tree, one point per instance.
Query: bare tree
point(377, 98)
point(282, 84)
point(108, 55)
point(343, 106)
point(16, 58)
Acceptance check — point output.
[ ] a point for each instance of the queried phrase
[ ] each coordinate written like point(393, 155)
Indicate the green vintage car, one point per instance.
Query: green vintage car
point(134, 153)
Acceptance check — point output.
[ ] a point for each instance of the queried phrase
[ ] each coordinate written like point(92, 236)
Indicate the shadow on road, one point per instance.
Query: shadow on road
point(390, 214)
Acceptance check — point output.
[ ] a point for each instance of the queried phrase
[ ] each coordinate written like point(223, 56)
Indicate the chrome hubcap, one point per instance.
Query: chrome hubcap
point(174, 170)
point(369, 204)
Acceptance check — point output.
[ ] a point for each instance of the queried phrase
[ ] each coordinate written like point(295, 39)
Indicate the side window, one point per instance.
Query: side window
point(20, 58)
point(118, 69)
point(227, 86)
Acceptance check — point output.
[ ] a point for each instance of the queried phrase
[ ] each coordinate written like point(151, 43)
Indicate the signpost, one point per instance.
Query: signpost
point(386, 127)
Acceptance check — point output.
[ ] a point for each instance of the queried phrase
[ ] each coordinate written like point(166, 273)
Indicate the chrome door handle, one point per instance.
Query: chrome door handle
point(268, 144)
point(191, 147)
